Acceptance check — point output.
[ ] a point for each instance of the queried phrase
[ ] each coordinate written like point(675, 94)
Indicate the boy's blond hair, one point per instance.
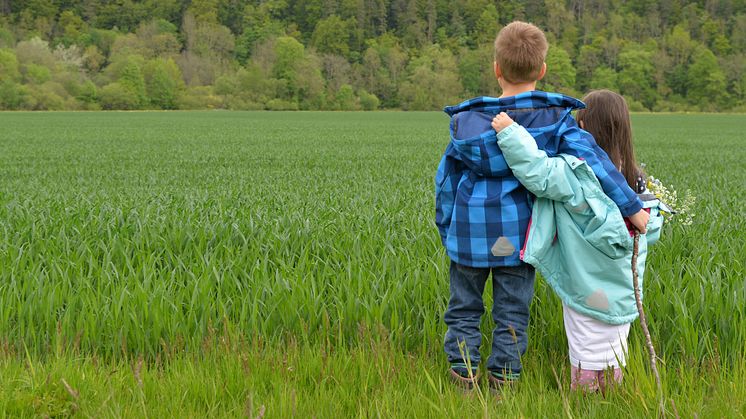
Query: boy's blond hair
point(520, 51)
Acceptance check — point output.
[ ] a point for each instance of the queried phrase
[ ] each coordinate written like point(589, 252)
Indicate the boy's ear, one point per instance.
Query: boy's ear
point(496, 67)
point(543, 71)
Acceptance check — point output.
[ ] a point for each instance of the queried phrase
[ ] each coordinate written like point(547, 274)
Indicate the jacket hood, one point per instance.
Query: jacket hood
point(540, 112)
point(535, 99)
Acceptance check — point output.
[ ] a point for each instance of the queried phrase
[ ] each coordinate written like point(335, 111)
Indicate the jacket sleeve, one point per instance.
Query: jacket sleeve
point(580, 144)
point(544, 176)
point(445, 189)
point(655, 223)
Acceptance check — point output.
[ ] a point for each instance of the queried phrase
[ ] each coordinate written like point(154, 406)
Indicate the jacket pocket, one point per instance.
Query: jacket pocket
point(605, 230)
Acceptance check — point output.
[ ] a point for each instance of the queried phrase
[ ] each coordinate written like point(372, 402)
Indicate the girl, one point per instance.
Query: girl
point(578, 239)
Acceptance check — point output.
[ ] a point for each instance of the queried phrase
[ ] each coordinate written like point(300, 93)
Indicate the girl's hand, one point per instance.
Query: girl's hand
point(640, 221)
point(501, 121)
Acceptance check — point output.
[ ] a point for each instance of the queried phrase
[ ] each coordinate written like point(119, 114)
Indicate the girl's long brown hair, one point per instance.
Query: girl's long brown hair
point(607, 119)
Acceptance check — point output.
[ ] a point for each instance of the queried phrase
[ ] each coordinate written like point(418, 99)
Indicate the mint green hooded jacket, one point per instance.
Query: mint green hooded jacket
point(577, 238)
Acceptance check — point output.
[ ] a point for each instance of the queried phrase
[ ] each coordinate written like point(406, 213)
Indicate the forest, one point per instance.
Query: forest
point(671, 56)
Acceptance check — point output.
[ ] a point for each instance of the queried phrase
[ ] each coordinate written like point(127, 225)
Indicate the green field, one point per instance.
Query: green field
point(229, 263)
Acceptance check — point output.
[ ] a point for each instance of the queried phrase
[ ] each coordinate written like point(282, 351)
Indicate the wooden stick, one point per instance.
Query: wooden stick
point(644, 322)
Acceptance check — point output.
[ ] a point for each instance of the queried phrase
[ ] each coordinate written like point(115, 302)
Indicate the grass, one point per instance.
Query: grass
point(372, 378)
point(290, 260)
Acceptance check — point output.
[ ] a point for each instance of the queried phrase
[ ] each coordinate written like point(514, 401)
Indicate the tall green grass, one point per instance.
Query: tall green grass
point(131, 231)
point(372, 378)
point(143, 234)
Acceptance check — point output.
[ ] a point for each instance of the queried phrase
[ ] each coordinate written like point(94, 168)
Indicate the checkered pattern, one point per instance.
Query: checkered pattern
point(477, 198)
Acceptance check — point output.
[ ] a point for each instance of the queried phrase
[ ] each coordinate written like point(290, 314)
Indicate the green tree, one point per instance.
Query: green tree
point(259, 24)
point(383, 67)
point(706, 80)
point(169, 10)
point(230, 14)
point(368, 101)
point(227, 87)
point(332, 35)
point(346, 99)
point(116, 96)
point(208, 52)
point(41, 8)
point(48, 96)
point(432, 82)
point(289, 54)
point(36, 74)
point(9, 66)
point(336, 71)
point(636, 75)
point(604, 78)
point(412, 28)
point(7, 39)
point(456, 27)
point(721, 45)
point(557, 17)
point(204, 11)
point(738, 33)
point(709, 30)
point(163, 82)
point(93, 59)
point(310, 83)
point(560, 75)
point(73, 27)
point(476, 71)
point(374, 46)
point(679, 45)
point(256, 84)
point(740, 89)
point(214, 42)
point(472, 11)
point(158, 38)
point(132, 80)
point(102, 39)
point(124, 15)
point(87, 94)
point(487, 25)
point(590, 57)
point(12, 95)
point(35, 51)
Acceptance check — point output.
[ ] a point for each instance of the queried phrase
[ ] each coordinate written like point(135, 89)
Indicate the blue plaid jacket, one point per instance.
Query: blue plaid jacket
point(481, 210)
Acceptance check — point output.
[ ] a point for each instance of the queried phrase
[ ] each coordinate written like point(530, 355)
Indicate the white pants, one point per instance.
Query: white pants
point(594, 345)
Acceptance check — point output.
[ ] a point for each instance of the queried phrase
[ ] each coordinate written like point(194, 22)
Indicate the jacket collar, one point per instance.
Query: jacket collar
point(535, 99)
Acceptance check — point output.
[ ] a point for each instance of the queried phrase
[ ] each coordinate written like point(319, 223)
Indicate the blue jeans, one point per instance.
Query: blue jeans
point(512, 290)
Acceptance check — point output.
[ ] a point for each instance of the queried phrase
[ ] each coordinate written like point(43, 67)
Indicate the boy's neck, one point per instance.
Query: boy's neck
point(512, 89)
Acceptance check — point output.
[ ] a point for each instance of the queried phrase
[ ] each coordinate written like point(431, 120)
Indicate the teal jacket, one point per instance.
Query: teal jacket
point(577, 238)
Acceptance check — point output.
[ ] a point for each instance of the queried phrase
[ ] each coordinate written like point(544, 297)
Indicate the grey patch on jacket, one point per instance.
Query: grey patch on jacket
point(503, 247)
point(598, 300)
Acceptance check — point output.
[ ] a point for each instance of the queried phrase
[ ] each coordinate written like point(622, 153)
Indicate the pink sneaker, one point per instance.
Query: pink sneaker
point(593, 380)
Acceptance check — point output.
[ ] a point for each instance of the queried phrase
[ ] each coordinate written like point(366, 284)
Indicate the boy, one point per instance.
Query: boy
point(483, 212)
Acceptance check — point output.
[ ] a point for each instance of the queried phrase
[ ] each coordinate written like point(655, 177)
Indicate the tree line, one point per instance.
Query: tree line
point(359, 54)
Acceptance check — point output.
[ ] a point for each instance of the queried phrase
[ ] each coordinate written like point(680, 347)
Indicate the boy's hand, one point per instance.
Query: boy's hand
point(640, 220)
point(501, 121)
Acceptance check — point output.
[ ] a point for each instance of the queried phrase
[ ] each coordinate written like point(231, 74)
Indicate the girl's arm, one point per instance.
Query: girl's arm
point(544, 176)
point(547, 177)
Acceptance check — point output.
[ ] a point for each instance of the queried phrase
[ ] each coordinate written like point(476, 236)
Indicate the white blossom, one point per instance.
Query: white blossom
point(683, 207)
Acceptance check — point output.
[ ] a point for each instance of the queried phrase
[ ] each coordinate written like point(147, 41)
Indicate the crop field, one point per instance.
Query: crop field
point(287, 264)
